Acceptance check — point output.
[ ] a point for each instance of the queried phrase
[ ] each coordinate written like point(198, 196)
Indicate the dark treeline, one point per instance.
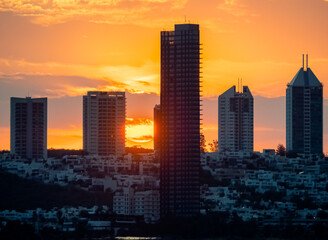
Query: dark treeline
point(135, 150)
point(21, 194)
point(203, 227)
point(59, 153)
point(213, 226)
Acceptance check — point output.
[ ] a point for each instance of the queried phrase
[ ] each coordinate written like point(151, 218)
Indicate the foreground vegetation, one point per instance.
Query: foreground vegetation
point(21, 194)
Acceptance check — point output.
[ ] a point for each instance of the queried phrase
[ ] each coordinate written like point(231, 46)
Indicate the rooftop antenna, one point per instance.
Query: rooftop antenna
point(238, 85)
point(303, 61)
point(239, 79)
point(241, 85)
point(307, 61)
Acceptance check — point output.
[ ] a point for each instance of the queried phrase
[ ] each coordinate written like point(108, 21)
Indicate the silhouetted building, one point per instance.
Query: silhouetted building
point(180, 119)
point(236, 117)
point(28, 127)
point(304, 113)
point(157, 127)
point(104, 123)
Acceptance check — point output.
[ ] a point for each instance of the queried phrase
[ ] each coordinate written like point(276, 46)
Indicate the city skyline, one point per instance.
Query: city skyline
point(236, 44)
point(156, 119)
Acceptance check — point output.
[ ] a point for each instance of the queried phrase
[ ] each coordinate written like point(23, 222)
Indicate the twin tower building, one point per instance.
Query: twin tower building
point(177, 121)
point(304, 117)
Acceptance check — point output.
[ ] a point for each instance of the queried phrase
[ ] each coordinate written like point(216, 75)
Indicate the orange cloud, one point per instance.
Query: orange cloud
point(145, 78)
point(138, 121)
point(98, 11)
point(141, 79)
point(233, 7)
point(139, 131)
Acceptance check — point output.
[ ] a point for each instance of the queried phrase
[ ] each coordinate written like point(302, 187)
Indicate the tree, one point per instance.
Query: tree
point(202, 143)
point(281, 150)
point(214, 146)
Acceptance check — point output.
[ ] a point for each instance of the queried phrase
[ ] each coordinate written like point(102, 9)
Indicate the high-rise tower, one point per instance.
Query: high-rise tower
point(28, 127)
point(236, 119)
point(180, 119)
point(304, 113)
point(104, 123)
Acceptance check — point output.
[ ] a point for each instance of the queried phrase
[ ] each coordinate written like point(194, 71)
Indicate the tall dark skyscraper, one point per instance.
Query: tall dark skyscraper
point(304, 113)
point(28, 127)
point(180, 112)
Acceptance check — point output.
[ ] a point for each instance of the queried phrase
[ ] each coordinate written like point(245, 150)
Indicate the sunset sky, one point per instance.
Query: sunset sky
point(60, 49)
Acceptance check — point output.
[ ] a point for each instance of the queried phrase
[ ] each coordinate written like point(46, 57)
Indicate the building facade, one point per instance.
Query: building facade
point(180, 121)
point(236, 121)
point(304, 113)
point(28, 127)
point(104, 123)
point(128, 202)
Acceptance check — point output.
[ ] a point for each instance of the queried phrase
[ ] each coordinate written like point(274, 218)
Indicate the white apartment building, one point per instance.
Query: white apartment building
point(236, 127)
point(104, 123)
point(147, 204)
point(142, 203)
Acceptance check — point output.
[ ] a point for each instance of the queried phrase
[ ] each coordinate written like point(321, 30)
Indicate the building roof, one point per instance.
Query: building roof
point(186, 27)
point(231, 92)
point(305, 78)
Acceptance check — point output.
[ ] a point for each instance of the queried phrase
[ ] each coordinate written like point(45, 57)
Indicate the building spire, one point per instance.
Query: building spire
point(307, 61)
point(303, 61)
point(238, 88)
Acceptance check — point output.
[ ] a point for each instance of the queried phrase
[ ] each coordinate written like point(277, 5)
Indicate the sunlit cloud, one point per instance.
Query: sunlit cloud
point(135, 79)
point(139, 121)
point(139, 131)
point(56, 86)
point(144, 78)
point(219, 75)
point(102, 11)
point(233, 7)
point(143, 139)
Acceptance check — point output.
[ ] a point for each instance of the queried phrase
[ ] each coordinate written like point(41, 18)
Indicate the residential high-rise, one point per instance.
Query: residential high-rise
point(304, 113)
point(236, 118)
point(180, 119)
point(28, 127)
point(157, 127)
point(104, 123)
